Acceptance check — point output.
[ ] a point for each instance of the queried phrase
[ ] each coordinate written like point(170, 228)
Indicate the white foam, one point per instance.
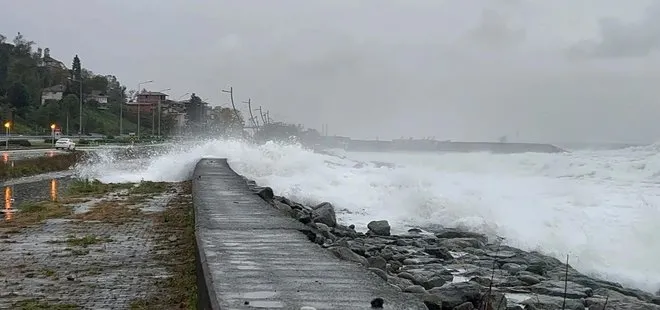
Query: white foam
point(601, 207)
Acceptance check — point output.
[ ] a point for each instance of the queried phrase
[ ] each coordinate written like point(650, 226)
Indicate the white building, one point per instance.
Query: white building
point(52, 93)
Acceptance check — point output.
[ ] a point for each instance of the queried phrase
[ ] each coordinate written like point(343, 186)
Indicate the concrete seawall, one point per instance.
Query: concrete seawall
point(251, 255)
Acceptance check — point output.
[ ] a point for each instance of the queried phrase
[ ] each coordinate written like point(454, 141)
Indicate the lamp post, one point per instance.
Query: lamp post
point(138, 105)
point(179, 125)
point(52, 133)
point(7, 129)
point(153, 118)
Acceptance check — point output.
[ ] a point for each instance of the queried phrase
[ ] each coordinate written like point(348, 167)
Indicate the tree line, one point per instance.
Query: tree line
point(26, 70)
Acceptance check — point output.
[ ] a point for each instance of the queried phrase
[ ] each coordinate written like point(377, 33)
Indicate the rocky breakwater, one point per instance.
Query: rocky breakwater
point(453, 269)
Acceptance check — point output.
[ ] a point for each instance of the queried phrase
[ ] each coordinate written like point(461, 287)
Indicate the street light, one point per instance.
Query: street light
point(153, 118)
point(138, 105)
point(52, 133)
point(7, 126)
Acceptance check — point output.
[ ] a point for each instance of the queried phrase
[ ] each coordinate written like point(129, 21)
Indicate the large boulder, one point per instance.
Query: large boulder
point(324, 213)
point(379, 228)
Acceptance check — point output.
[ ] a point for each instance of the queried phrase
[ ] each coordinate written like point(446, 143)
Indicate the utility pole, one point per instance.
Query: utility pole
point(249, 103)
point(81, 103)
point(153, 114)
point(138, 106)
point(231, 96)
point(263, 119)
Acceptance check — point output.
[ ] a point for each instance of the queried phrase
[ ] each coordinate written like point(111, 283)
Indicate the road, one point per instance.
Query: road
point(8, 155)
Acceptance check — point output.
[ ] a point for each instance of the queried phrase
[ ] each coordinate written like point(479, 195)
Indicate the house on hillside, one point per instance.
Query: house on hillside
point(52, 93)
point(146, 101)
point(49, 62)
point(98, 96)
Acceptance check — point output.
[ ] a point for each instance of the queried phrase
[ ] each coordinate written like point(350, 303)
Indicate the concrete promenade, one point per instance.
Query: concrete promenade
point(252, 256)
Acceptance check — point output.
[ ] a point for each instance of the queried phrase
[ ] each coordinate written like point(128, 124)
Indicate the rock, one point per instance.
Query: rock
point(599, 304)
point(399, 282)
point(513, 268)
point(465, 306)
point(460, 244)
point(322, 227)
point(439, 252)
point(324, 213)
point(283, 207)
point(542, 302)
point(377, 262)
point(556, 288)
point(379, 272)
point(435, 281)
point(415, 289)
point(303, 216)
point(346, 254)
point(414, 230)
point(455, 294)
point(379, 228)
point(407, 276)
point(529, 280)
point(266, 193)
point(539, 268)
point(454, 233)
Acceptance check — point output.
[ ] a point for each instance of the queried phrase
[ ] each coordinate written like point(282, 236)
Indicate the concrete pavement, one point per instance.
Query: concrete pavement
point(254, 256)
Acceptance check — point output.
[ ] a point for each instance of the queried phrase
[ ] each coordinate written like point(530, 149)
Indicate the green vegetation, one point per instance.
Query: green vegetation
point(26, 72)
point(85, 187)
point(37, 90)
point(33, 166)
point(148, 187)
point(35, 212)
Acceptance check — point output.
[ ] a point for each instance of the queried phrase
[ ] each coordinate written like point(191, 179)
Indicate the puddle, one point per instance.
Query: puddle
point(16, 194)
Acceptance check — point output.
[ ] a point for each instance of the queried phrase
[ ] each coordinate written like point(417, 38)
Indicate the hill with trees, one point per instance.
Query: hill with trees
point(25, 72)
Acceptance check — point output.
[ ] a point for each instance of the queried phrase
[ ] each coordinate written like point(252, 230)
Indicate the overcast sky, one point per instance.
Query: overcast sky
point(560, 70)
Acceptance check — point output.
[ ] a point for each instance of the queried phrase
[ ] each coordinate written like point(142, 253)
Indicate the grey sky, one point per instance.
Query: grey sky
point(560, 70)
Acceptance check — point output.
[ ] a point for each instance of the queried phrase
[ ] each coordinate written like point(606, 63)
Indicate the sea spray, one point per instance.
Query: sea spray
point(601, 207)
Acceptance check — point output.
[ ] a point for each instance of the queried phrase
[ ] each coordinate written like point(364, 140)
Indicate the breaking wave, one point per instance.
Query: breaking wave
point(601, 207)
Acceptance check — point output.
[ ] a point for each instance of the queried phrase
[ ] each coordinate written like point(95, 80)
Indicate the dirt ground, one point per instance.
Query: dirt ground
point(101, 246)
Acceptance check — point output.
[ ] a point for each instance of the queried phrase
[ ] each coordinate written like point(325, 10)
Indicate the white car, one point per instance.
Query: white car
point(65, 144)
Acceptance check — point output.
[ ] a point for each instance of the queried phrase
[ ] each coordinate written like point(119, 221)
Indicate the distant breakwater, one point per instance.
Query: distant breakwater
point(436, 146)
point(453, 269)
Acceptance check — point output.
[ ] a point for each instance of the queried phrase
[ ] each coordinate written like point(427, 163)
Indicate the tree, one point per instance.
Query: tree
point(224, 121)
point(194, 109)
point(76, 69)
point(98, 83)
point(19, 97)
point(22, 46)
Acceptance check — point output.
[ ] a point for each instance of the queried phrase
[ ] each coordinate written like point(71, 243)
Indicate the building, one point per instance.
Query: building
point(146, 101)
point(52, 93)
point(98, 96)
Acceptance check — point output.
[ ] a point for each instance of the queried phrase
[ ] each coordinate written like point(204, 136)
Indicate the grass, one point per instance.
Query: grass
point(180, 290)
point(33, 166)
point(36, 212)
point(86, 187)
point(110, 212)
point(148, 187)
point(33, 304)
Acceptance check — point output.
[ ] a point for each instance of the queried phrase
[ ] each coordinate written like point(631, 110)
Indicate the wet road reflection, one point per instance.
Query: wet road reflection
point(34, 191)
point(8, 203)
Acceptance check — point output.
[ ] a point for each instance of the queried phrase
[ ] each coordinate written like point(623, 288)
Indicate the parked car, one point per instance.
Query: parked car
point(65, 144)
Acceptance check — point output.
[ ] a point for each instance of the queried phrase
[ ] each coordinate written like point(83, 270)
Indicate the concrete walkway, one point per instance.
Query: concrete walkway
point(256, 257)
